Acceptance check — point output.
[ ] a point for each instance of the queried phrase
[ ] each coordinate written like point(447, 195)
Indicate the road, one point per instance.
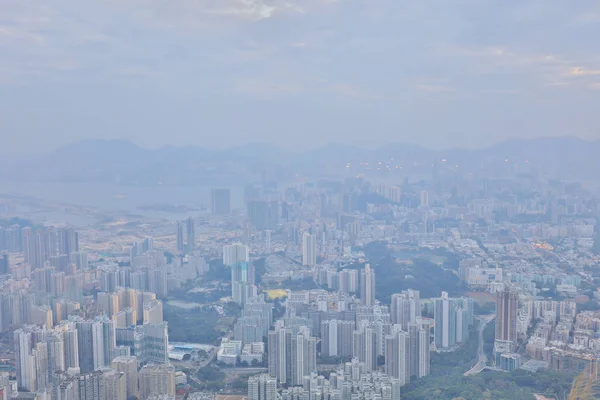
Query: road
point(481, 357)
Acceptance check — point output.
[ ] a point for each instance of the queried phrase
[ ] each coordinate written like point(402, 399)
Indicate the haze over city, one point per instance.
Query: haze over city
point(299, 200)
point(298, 74)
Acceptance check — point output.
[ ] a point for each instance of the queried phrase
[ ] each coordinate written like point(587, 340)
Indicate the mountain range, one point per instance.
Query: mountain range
point(123, 162)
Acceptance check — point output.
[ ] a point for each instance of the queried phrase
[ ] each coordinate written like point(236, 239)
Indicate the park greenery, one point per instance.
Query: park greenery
point(195, 325)
point(516, 385)
point(422, 275)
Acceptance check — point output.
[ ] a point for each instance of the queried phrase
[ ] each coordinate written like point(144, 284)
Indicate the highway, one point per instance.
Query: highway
point(481, 357)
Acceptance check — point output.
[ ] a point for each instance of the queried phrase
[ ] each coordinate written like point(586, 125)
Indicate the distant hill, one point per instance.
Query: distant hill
point(121, 161)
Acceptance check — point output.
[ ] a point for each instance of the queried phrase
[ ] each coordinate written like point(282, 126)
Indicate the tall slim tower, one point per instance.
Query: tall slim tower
point(506, 315)
point(424, 198)
point(180, 237)
point(191, 235)
point(367, 286)
point(445, 322)
point(309, 249)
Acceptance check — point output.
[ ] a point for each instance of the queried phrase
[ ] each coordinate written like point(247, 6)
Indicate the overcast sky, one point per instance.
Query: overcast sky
point(298, 73)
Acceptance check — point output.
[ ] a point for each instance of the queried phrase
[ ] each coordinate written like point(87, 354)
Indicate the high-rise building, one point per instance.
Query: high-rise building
point(242, 272)
point(180, 237)
point(267, 242)
point(4, 264)
point(157, 380)
point(68, 241)
point(263, 214)
point(235, 253)
point(255, 321)
point(108, 303)
point(191, 235)
point(365, 347)
point(424, 198)
point(423, 349)
point(397, 358)
point(80, 259)
point(115, 385)
point(71, 345)
point(292, 355)
point(506, 315)
point(151, 343)
point(91, 386)
point(309, 249)
point(405, 308)
point(157, 281)
point(41, 245)
point(109, 339)
point(56, 352)
point(221, 201)
point(153, 312)
point(445, 322)
point(336, 338)
point(262, 387)
point(128, 365)
point(24, 362)
point(90, 342)
point(367, 286)
point(348, 280)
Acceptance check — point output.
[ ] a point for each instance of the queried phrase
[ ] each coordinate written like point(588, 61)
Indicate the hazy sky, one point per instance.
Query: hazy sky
point(299, 73)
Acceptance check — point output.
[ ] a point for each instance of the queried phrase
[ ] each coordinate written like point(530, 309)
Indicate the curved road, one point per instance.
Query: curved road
point(481, 358)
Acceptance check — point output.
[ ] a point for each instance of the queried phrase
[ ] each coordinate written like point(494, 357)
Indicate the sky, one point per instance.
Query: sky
point(297, 73)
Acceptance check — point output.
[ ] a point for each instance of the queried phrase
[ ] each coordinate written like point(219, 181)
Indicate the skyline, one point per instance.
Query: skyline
point(298, 75)
point(294, 150)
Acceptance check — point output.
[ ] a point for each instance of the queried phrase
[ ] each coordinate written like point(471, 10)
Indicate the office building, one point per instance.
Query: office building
point(367, 286)
point(309, 249)
point(506, 315)
point(221, 201)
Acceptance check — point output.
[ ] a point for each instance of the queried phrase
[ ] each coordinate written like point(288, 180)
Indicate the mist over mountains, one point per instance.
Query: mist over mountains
point(123, 162)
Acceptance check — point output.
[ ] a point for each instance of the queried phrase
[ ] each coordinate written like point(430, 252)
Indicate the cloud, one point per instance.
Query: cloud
point(434, 88)
point(387, 55)
point(584, 72)
point(354, 92)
